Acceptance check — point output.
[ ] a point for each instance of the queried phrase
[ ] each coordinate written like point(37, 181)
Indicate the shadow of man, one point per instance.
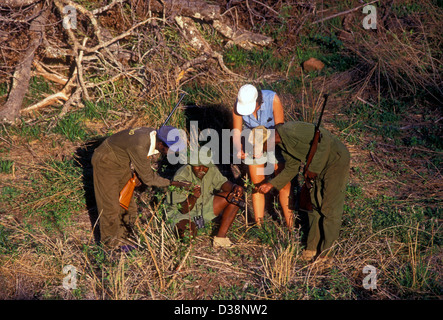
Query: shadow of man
point(83, 156)
point(217, 118)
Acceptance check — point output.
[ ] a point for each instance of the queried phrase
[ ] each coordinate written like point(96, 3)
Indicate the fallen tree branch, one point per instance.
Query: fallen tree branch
point(244, 38)
point(48, 101)
point(344, 12)
point(200, 9)
point(72, 99)
point(45, 72)
point(56, 97)
point(196, 40)
point(20, 82)
point(107, 7)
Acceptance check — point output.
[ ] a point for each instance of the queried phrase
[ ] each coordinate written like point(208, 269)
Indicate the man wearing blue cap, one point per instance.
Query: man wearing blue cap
point(113, 163)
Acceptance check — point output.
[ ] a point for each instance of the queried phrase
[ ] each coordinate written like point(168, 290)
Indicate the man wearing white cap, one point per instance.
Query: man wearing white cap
point(112, 162)
point(255, 108)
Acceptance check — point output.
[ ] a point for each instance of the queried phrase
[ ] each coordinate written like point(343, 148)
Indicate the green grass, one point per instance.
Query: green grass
point(7, 244)
point(72, 127)
point(383, 120)
point(50, 195)
point(6, 166)
point(24, 130)
point(38, 89)
point(261, 61)
point(96, 111)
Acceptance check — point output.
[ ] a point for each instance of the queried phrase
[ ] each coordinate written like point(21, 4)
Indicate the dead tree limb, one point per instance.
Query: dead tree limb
point(210, 13)
point(198, 9)
point(47, 73)
point(63, 94)
point(18, 3)
point(20, 82)
point(196, 40)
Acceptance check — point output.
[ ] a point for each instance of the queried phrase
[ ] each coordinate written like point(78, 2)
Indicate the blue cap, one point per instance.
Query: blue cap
point(171, 137)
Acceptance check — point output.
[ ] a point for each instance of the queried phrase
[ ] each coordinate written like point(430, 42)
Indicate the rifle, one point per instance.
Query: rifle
point(127, 192)
point(305, 203)
point(173, 110)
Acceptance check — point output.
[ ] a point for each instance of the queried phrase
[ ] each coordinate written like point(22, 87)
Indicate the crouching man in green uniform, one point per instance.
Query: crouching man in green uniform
point(113, 163)
point(200, 205)
point(331, 166)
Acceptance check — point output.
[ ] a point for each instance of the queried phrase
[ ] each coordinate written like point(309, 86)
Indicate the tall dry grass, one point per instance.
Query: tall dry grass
point(402, 55)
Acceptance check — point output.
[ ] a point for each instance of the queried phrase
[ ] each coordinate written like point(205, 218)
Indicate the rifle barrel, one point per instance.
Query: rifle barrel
point(178, 103)
point(322, 110)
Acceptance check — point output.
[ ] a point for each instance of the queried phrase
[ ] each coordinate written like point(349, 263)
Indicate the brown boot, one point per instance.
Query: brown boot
point(308, 255)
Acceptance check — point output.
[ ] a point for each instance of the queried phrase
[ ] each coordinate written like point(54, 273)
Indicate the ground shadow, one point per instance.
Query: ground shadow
point(83, 156)
point(215, 117)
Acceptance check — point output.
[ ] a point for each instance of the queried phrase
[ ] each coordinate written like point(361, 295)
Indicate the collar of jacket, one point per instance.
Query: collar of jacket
point(152, 149)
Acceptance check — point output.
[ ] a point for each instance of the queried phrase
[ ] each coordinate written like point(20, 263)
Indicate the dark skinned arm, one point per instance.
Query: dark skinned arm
point(228, 186)
point(190, 201)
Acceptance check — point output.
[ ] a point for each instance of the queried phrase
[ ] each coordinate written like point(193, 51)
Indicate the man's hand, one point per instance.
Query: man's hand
point(189, 202)
point(265, 187)
point(138, 183)
point(241, 155)
point(238, 190)
point(196, 191)
point(185, 185)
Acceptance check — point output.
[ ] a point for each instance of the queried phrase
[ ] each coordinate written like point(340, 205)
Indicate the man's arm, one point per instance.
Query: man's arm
point(142, 165)
point(188, 204)
point(292, 167)
point(228, 186)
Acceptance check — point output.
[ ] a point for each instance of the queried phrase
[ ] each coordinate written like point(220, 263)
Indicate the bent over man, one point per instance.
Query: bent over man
point(113, 163)
point(331, 168)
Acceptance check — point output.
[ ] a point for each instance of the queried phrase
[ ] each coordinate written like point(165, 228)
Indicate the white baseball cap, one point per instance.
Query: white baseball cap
point(246, 99)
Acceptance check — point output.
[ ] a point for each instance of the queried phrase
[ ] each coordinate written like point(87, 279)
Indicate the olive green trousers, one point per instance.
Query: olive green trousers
point(109, 179)
point(327, 196)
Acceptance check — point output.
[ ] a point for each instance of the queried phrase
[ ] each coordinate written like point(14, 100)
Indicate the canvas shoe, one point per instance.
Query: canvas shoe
point(222, 243)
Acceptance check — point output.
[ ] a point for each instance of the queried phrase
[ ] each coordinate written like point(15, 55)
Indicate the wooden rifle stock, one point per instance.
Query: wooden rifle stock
point(305, 202)
point(127, 192)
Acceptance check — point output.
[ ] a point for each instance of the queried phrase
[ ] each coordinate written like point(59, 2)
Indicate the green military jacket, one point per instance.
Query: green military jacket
point(131, 146)
point(295, 143)
point(213, 180)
